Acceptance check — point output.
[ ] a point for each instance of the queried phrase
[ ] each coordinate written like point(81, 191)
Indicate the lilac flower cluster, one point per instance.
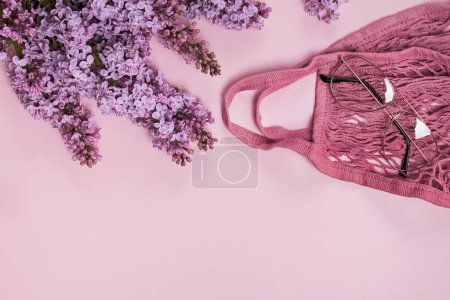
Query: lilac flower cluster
point(238, 14)
point(324, 10)
point(62, 51)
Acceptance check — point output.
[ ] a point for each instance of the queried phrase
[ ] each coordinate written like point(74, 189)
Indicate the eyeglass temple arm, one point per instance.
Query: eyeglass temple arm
point(405, 162)
point(327, 79)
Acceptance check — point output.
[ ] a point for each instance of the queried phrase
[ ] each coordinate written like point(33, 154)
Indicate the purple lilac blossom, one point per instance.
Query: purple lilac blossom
point(62, 51)
point(325, 10)
point(233, 14)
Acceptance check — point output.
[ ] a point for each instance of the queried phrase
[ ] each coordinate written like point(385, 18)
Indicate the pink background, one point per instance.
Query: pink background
point(134, 227)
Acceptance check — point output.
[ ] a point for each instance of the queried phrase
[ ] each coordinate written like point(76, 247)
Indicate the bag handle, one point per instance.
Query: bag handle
point(275, 136)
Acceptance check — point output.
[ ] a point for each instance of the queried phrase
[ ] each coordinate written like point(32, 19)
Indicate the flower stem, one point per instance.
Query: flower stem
point(17, 47)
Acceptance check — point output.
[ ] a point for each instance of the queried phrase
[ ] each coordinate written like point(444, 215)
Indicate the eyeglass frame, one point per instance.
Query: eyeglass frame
point(393, 119)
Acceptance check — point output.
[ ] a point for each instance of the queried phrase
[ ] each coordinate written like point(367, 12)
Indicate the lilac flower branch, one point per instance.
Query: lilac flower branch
point(182, 38)
point(61, 51)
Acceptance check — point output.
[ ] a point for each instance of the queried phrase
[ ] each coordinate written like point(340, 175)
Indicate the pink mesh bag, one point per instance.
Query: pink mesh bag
point(412, 51)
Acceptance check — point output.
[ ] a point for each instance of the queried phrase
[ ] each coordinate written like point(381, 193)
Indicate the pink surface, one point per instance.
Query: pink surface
point(135, 227)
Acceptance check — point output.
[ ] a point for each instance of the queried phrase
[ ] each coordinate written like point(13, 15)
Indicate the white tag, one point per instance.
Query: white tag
point(422, 130)
point(389, 94)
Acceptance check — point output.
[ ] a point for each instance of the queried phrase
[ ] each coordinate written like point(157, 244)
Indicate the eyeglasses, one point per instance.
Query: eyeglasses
point(359, 85)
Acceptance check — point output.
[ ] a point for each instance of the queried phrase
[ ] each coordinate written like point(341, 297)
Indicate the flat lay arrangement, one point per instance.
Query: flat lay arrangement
point(63, 51)
point(314, 137)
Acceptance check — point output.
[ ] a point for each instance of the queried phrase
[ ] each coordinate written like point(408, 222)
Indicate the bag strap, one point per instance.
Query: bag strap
point(274, 136)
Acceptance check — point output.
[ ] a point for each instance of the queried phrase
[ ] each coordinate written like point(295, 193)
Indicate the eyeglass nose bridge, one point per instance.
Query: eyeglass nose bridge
point(394, 116)
point(395, 110)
